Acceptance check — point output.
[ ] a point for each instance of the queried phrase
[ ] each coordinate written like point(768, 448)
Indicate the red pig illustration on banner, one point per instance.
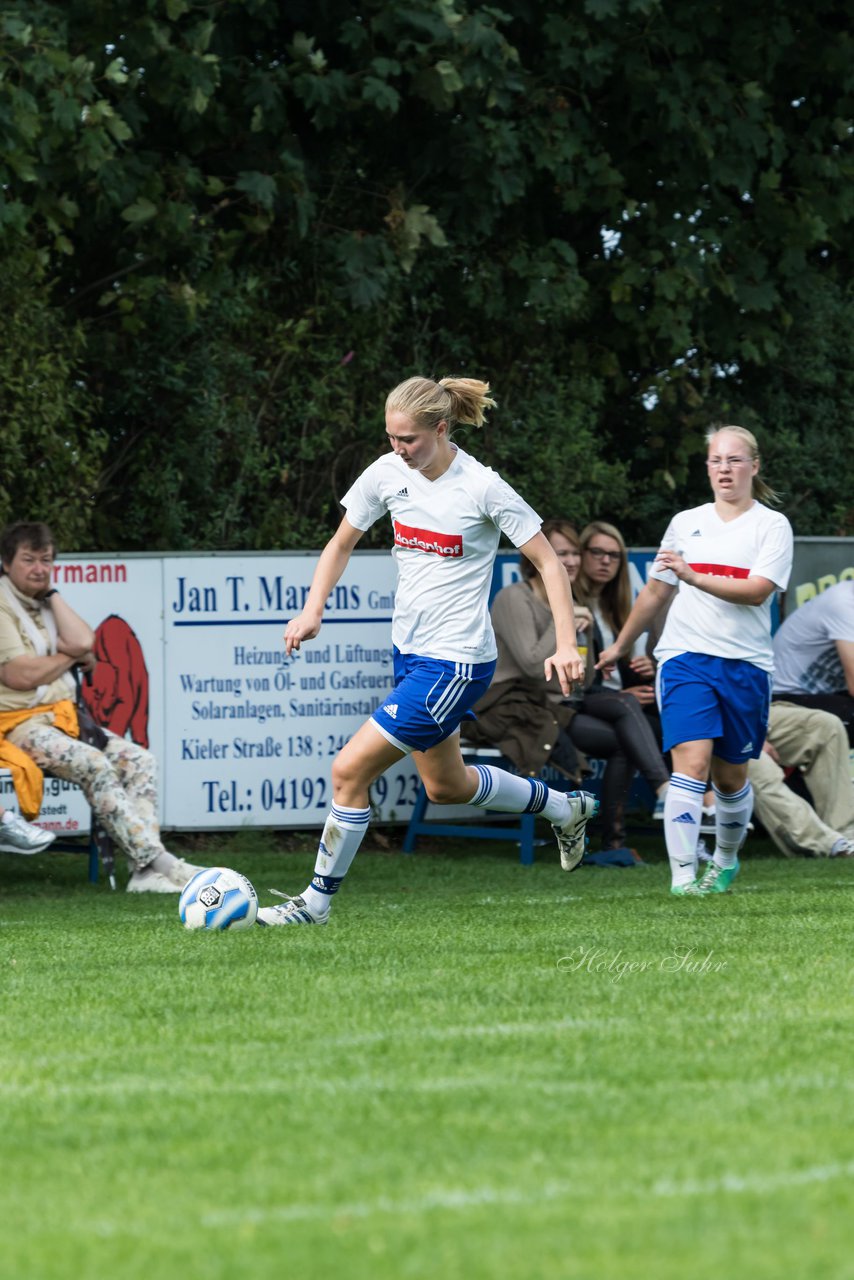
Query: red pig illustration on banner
point(118, 694)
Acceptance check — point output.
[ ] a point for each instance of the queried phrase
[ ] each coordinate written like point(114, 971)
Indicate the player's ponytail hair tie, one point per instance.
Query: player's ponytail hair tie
point(451, 400)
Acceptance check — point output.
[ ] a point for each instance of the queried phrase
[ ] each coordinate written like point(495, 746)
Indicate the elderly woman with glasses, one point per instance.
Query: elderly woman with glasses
point(719, 564)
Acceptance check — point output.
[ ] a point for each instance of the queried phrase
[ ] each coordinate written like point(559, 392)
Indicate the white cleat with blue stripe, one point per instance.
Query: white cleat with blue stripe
point(291, 911)
point(571, 833)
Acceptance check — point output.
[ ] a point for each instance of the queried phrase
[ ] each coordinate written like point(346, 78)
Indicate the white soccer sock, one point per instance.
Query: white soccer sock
point(732, 814)
point(508, 793)
point(343, 832)
point(683, 809)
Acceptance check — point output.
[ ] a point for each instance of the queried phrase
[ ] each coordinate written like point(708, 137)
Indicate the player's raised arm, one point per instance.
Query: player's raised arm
point(565, 662)
point(652, 598)
point(334, 559)
point(752, 590)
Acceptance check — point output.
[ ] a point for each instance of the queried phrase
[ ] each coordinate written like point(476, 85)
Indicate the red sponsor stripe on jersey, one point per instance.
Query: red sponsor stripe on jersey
point(722, 570)
point(439, 544)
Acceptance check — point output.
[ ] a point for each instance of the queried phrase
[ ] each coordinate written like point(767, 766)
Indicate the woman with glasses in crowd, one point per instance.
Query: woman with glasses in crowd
point(722, 562)
point(522, 713)
point(611, 722)
point(604, 585)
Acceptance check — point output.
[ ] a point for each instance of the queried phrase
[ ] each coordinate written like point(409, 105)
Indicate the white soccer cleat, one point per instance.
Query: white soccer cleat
point(18, 836)
point(291, 911)
point(571, 833)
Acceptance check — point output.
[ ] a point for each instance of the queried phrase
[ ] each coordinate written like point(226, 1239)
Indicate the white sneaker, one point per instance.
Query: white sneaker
point(570, 833)
point(18, 836)
point(181, 872)
point(842, 848)
point(291, 911)
point(147, 880)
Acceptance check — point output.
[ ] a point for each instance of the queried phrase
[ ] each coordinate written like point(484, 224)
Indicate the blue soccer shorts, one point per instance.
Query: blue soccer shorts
point(429, 700)
point(725, 699)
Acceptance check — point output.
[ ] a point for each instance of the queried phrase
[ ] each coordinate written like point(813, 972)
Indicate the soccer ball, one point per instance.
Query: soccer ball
point(218, 898)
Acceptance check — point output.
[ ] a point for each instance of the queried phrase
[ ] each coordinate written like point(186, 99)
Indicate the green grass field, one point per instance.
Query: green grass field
point(477, 1070)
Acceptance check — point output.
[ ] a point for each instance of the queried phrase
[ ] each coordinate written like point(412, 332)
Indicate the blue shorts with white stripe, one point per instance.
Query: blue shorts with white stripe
point(430, 699)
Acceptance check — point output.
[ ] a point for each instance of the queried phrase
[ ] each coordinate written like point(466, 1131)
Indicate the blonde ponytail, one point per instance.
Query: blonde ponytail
point(469, 397)
point(451, 400)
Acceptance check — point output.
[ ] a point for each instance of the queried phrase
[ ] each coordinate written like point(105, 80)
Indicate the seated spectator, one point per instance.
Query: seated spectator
point(814, 654)
point(41, 639)
point(815, 742)
point(603, 585)
point(18, 836)
point(532, 723)
point(617, 718)
point(522, 714)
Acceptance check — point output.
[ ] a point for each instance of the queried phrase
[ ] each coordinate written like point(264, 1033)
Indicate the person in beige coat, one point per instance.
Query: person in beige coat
point(816, 743)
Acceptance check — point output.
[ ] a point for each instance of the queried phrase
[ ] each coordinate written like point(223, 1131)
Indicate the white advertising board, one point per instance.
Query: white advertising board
point(252, 732)
point(192, 663)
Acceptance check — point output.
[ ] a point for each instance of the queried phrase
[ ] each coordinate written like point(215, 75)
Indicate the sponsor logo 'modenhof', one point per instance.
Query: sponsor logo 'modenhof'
point(440, 544)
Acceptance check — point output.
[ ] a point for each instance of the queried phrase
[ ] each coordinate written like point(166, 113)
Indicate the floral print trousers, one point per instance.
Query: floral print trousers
point(119, 782)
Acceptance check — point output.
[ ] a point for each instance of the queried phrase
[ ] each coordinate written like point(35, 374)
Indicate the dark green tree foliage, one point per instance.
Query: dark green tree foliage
point(50, 447)
point(244, 221)
point(807, 398)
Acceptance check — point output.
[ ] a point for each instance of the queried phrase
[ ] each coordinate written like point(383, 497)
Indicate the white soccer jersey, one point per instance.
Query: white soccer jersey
point(446, 534)
point(758, 542)
point(806, 659)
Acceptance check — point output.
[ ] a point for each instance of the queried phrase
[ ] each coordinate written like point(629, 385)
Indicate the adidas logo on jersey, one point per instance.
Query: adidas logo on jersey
point(391, 710)
point(402, 493)
point(748, 746)
point(696, 534)
point(686, 817)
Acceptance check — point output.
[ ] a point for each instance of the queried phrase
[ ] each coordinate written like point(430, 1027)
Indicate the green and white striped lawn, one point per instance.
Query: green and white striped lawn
point(477, 1070)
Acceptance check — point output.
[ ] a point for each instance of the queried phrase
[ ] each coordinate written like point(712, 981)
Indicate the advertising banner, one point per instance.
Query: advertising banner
point(252, 732)
point(819, 563)
point(191, 663)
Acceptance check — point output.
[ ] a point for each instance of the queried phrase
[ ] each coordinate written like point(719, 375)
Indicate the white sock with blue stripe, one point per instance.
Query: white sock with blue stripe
point(732, 814)
point(343, 832)
point(683, 810)
point(508, 793)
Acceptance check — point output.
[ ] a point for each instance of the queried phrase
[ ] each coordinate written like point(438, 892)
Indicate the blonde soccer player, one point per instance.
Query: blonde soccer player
point(723, 561)
point(447, 513)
